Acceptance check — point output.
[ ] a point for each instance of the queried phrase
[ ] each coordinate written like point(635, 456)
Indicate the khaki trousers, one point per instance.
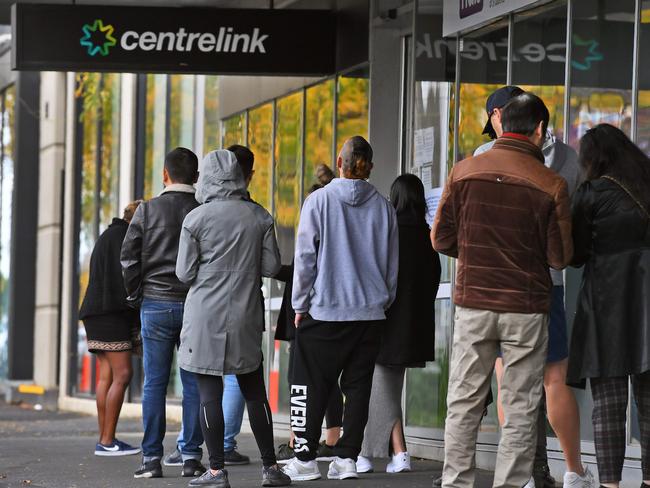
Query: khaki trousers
point(478, 335)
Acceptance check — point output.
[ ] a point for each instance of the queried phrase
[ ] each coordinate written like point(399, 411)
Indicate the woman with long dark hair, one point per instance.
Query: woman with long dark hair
point(408, 335)
point(611, 333)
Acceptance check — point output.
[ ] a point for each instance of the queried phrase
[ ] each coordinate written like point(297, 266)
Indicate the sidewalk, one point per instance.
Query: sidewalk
point(55, 450)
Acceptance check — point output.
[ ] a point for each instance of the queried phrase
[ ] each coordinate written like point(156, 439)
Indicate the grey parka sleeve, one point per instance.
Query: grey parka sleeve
point(270, 254)
point(187, 262)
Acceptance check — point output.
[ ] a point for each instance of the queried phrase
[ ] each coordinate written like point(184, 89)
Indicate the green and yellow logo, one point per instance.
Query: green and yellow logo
point(98, 38)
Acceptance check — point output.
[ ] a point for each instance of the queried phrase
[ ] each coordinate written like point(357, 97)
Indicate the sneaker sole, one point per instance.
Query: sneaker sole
point(191, 475)
point(306, 477)
point(325, 459)
point(371, 470)
point(236, 463)
point(344, 476)
point(271, 483)
point(117, 453)
point(147, 475)
point(402, 470)
point(165, 463)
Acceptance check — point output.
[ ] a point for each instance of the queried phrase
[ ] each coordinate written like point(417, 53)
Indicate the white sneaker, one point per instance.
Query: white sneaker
point(530, 484)
point(401, 462)
point(574, 480)
point(298, 470)
point(342, 469)
point(364, 465)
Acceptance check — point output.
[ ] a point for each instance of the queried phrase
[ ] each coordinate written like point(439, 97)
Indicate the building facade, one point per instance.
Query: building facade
point(417, 95)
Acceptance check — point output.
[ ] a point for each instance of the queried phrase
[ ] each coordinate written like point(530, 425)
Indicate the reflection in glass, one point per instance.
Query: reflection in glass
point(601, 65)
point(319, 131)
point(234, 130)
point(155, 134)
point(110, 151)
point(6, 198)
point(643, 113)
point(211, 126)
point(181, 111)
point(352, 106)
point(260, 141)
point(288, 161)
point(426, 388)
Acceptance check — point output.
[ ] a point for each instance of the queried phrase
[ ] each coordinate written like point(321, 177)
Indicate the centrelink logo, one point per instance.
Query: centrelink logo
point(98, 39)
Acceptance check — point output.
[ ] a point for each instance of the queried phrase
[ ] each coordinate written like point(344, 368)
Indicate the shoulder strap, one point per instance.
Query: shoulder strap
point(631, 195)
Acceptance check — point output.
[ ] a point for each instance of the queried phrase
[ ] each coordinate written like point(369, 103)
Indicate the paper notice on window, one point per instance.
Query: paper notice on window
point(432, 198)
point(423, 146)
point(426, 177)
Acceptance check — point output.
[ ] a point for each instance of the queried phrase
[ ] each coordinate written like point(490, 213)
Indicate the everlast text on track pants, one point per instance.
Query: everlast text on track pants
point(323, 352)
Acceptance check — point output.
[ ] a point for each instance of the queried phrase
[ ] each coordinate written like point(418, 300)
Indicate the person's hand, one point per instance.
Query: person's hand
point(298, 319)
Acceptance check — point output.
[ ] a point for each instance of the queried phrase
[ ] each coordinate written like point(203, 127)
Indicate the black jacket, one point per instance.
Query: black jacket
point(611, 331)
point(286, 329)
point(408, 334)
point(151, 246)
point(105, 292)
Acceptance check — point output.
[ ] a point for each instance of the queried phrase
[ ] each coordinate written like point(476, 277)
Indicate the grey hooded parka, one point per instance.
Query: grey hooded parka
point(227, 244)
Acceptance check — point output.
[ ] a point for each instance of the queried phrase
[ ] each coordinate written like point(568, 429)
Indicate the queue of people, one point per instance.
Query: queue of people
point(358, 307)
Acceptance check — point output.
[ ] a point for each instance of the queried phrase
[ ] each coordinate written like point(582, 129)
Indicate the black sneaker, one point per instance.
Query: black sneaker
point(542, 476)
point(151, 469)
point(437, 482)
point(325, 453)
point(285, 454)
point(219, 480)
point(233, 458)
point(273, 476)
point(192, 468)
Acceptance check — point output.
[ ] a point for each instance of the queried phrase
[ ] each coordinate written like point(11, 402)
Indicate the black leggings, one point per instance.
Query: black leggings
point(259, 415)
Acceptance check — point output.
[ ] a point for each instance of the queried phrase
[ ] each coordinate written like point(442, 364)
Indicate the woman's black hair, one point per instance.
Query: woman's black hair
point(407, 196)
point(606, 150)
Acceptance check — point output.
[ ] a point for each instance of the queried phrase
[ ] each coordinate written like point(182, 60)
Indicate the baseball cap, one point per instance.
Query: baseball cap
point(499, 99)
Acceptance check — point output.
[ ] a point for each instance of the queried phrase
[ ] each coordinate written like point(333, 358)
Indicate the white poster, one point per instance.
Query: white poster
point(426, 177)
point(432, 198)
point(423, 145)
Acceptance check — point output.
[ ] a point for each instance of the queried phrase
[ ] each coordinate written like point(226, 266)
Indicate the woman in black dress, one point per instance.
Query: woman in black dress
point(112, 331)
point(610, 343)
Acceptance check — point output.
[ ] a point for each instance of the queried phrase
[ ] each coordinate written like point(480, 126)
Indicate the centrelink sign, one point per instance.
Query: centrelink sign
point(187, 40)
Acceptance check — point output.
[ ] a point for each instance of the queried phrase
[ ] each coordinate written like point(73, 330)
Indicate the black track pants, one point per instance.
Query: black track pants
point(323, 352)
point(259, 414)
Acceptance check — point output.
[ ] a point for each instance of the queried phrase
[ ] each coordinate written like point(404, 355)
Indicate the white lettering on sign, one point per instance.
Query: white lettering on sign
point(226, 41)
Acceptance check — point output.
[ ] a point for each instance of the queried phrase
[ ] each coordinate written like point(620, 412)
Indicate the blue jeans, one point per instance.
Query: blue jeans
point(233, 413)
point(161, 329)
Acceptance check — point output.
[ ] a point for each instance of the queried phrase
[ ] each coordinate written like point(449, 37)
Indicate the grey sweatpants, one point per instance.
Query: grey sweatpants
point(478, 335)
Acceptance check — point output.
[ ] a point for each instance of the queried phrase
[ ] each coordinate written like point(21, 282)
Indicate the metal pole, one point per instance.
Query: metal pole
point(457, 99)
point(511, 29)
point(567, 72)
point(635, 70)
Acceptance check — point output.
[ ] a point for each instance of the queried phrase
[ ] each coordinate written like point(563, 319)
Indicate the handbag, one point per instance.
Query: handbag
point(631, 195)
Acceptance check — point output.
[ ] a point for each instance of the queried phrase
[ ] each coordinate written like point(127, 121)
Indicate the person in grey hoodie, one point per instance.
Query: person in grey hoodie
point(561, 406)
point(345, 278)
point(226, 245)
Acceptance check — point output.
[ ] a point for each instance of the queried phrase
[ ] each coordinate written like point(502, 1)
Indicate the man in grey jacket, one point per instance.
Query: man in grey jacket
point(562, 409)
point(345, 278)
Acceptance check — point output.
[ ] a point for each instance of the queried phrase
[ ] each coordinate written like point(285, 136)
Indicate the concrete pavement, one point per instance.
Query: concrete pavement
point(55, 450)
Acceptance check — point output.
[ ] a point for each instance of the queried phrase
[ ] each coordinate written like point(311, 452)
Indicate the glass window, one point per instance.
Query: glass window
point(319, 130)
point(260, 141)
point(601, 65)
point(643, 114)
point(181, 111)
point(99, 132)
point(234, 130)
point(352, 105)
point(286, 210)
point(211, 125)
point(539, 40)
point(426, 388)
point(155, 134)
point(483, 70)
point(6, 199)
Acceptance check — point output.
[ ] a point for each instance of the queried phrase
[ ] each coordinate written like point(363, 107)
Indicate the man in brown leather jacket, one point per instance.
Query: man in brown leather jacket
point(506, 217)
